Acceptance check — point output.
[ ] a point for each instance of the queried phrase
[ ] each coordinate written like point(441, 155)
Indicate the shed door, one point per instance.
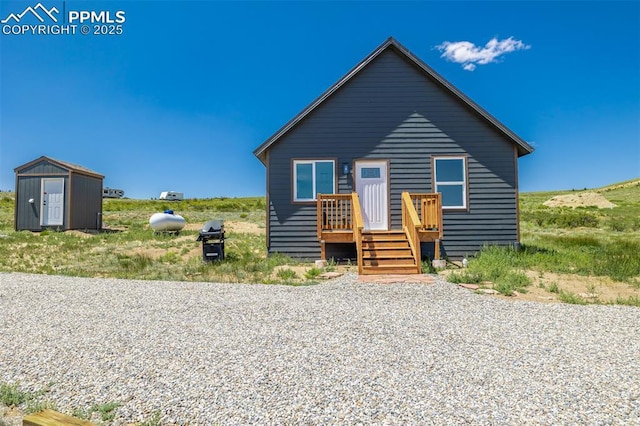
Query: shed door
point(372, 188)
point(52, 202)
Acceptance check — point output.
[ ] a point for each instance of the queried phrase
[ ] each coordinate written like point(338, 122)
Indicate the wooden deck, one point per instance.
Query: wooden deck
point(382, 252)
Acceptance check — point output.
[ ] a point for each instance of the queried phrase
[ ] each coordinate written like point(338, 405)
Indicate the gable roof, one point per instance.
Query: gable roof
point(523, 147)
point(63, 164)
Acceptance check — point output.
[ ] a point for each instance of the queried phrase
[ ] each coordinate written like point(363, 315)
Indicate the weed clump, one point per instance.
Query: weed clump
point(498, 265)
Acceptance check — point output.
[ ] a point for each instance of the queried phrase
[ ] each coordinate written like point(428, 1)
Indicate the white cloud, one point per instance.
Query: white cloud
point(470, 55)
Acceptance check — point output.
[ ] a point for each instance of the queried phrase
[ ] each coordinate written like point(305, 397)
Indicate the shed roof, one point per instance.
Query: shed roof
point(523, 147)
point(63, 164)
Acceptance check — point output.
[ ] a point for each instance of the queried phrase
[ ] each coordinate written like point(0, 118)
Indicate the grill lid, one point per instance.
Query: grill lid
point(213, 226)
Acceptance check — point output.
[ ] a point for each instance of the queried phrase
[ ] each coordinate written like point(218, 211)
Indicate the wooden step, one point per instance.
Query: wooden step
point(390, 236)
point(388, 252)
point(376, 261)
point(385, 244)
point(389, 269)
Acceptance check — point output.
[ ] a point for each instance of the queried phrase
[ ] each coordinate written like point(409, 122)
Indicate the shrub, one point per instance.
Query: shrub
point(629, 301)
point(563, 218)
point(312, 273)
point(286, 274)
point(11, 395)
point(498, 265)
point(107, 411)
point(571, 298)
point(464, 277)
point(510, 282)
point(135, 263)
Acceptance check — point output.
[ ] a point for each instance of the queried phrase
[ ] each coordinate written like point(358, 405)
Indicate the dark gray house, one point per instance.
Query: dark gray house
point(390, 165)
point(55, 194)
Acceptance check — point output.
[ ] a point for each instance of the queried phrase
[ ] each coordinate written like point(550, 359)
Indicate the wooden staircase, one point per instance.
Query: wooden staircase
point(340, 221)
point(387, 252)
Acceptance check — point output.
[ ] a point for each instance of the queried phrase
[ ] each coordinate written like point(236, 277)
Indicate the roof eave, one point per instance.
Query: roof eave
point(62, 164)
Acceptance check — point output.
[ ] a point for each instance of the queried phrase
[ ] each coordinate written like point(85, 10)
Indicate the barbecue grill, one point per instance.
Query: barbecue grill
point(212, 237)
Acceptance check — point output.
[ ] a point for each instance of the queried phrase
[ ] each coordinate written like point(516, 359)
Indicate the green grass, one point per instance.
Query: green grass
point(287, 274)
point(312, 273)
point(107, 411)
point(132, 250)
point(11, 395)
point(497, 265)
point(553, 288)
point(571, 298)
point(628, 301)
point(583, 241)
point(566, 240)
point(154, 420)
point(35, 406)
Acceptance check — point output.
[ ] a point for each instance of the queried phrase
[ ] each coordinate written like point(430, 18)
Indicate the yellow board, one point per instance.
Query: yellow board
point(53, 418)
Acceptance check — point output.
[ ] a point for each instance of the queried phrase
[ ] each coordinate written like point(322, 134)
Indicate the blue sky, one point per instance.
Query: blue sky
point(189, 80)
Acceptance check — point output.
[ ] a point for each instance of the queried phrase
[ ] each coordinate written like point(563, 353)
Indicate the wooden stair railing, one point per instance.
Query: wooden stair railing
point(358, 226)
point(411, 226)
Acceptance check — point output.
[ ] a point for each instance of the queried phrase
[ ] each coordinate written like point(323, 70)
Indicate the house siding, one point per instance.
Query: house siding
point(391, 110)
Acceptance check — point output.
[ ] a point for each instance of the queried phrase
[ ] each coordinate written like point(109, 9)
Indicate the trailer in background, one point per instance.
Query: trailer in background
point(171, 196)
point(112, 193)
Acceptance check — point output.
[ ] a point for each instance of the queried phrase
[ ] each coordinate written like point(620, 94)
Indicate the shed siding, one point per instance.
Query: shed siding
point(86, 202)
point(27, 214)
point(393, 111)
point(82, 195)
point(44, 168)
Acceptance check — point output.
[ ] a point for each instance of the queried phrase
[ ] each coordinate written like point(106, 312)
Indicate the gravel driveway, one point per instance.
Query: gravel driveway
point(338, 352)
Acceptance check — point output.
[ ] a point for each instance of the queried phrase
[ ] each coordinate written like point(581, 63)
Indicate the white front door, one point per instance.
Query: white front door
point(52, 209)
point(372, 188)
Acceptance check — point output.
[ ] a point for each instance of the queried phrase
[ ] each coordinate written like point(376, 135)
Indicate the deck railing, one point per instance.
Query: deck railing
point(429, 209)
point(341, 212)
point(334, 213)
point(411, 226)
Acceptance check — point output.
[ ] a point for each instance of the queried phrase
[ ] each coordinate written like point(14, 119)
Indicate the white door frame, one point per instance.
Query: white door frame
point(49, 205)
point(374, 200)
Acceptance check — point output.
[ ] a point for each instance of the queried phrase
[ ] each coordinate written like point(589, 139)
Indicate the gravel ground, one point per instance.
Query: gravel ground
point(338, 352)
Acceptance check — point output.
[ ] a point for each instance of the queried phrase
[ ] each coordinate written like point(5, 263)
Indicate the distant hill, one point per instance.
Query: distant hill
point(625, 193)
point(628, 191)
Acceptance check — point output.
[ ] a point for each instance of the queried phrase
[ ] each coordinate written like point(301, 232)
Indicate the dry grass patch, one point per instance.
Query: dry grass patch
point(548, 286)
point(581, 199)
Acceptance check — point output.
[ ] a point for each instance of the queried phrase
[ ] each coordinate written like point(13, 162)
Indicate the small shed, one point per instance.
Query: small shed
point(56, 194)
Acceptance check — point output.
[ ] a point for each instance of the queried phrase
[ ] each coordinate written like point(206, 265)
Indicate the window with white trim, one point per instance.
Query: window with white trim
point(313, 177)
point(450, 179)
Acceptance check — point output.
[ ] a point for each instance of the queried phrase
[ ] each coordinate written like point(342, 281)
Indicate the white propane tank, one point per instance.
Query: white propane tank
point(167, 221)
